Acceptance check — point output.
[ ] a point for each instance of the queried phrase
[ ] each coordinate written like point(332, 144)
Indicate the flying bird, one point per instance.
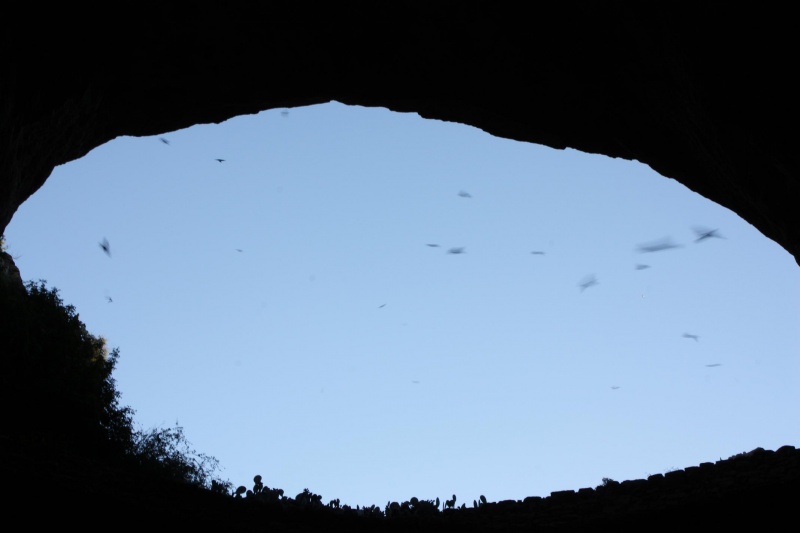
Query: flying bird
point(218, 160)
point(163, 140)
point(382, 305)
point(464, 194)
point(239, 250)
point(690, 336)
point(615, 387)
point(642, 267)
point(109, 299)
point(106, 247)
point(587, 282)
point(714, 364)
point(537, 252)
point(433, 245)
point(657, 246)
point(284, 114)
point(703, 234)
point(459, 250)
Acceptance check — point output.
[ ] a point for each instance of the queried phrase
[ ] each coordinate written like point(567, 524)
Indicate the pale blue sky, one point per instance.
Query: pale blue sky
point(338, 352)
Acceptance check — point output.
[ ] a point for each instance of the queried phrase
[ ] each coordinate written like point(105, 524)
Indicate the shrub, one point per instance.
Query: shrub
point(56, 384)
point(57, 393)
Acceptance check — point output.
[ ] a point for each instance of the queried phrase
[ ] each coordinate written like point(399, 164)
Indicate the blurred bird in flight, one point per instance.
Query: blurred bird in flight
point(587, 282)
point(657, 246)
point(703, 234)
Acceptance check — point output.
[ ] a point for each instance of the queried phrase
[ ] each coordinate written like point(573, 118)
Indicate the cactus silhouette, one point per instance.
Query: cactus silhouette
point(450, 504)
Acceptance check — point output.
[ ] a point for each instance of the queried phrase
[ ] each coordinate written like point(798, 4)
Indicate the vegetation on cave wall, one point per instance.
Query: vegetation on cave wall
point(58, 394)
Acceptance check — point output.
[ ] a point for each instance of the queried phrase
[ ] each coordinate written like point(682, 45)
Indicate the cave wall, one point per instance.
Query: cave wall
point(702, 93)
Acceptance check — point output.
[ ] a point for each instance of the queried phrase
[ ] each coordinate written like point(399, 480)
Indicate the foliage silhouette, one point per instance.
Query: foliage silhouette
point(58, 395)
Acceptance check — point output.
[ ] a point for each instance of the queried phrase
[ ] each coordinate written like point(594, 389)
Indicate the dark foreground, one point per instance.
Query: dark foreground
point(758, 489)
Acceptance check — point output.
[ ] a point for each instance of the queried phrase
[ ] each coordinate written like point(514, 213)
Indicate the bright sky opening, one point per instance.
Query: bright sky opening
point(376, 307)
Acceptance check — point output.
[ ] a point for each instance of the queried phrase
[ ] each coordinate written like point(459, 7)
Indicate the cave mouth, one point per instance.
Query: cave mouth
point(288, 287)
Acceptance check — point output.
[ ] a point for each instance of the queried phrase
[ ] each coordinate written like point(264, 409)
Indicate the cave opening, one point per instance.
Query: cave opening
point(378, 307)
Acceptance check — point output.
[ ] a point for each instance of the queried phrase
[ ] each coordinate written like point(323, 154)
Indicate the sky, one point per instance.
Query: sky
point(287, 288)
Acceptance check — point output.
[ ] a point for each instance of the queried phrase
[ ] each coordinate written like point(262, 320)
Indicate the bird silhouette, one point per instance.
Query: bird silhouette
point(218, 160)
point(703, 234)
point(163, 140)
point(657, 246)
point(106, 247)
point(459, 250)
point(464, 194)
point(109, 299)
point(537, 252)
point(381, 306)
point(690, 336)
point(615, 387)
point(587, 282)
point(284, 114)
point(433, 245)
point(642, 267)
point(714, 364)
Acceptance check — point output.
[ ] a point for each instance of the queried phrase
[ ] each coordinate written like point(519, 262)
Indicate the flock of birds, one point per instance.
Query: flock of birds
point(591, 280)
point(701, 233)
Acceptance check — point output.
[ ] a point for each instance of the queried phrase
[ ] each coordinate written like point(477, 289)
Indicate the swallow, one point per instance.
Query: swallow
point(657, 246)
point(163, 140)
point(106, 247)
point(587, 282)
point(459, 250)
point(690, 336)
point(703, 234)
point(219, 160)
point(464, 194)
